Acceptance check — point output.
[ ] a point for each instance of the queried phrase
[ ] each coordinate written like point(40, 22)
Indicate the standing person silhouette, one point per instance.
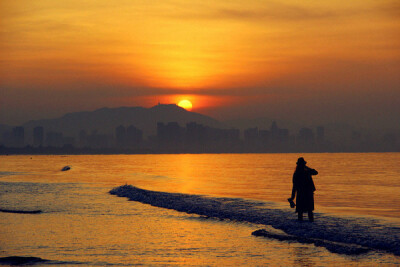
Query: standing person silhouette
point(303, 185)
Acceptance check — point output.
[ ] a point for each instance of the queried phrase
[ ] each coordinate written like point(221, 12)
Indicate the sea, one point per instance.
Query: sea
point(197, 210)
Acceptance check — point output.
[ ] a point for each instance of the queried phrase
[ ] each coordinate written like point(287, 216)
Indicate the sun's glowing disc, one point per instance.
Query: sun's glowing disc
point(186, 104)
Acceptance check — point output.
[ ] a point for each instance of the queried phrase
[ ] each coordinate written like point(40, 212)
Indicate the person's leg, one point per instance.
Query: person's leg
point(311, 216)
point(300, 216)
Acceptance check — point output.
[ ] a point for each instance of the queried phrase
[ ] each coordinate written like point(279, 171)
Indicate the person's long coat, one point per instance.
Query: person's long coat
point(304, 186)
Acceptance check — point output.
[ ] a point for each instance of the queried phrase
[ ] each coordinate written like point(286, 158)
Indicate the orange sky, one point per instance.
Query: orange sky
point(230, 58)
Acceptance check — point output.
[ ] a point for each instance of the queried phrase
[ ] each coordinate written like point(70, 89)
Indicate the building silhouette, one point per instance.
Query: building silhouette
point(196, 136)
point(251, 137)
point(274, 139)
point(120, 136)
point(170, 135)
point(134, 137)
point(69, 141)
point(38, 136)
point(277, 134)
point(305, 137)
point(96, 140)
point(54, 139)
point(18, 136)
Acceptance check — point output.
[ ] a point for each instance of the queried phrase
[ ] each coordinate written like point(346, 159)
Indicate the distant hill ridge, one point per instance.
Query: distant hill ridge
point(105, 120)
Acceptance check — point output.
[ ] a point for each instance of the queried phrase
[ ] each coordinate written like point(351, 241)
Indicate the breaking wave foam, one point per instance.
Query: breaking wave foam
point(337, 234)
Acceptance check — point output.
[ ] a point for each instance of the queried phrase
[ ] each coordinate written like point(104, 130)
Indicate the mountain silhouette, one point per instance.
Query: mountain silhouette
point(105, 120)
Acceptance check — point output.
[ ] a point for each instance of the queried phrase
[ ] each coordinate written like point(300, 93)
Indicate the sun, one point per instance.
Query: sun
point(186, 104)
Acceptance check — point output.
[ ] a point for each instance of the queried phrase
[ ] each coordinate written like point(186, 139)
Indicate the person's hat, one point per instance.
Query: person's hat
point(301, 161)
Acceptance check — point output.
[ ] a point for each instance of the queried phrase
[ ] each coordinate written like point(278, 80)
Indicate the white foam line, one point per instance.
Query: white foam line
point(333, 230)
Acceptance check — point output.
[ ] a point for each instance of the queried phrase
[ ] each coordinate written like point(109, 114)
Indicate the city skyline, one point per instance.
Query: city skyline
point(172, 137)
point(185, 136)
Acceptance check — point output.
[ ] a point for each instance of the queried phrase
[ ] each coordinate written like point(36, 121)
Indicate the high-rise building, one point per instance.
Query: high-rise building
point(170, 134)
point(38, 136)
point(251, 134)
point(134, 136)
point(18, 136)
point(54, 139)
point(195, 135)
point(120, 136)
point(305, 136)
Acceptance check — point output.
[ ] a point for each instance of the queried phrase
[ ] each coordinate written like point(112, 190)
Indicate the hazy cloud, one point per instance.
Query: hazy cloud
point(391, 8)
point(281, 12)
point(271, 11)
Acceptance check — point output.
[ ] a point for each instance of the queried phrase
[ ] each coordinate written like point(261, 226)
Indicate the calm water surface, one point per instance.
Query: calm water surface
point(82, 224)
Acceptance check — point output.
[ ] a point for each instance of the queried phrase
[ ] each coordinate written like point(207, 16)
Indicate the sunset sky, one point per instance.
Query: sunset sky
point(309, 61)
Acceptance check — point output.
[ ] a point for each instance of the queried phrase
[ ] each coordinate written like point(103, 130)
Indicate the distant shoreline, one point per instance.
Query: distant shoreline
point(28, 150)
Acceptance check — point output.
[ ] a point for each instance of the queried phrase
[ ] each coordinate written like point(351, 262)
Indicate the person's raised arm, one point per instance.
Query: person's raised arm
point(312, 171)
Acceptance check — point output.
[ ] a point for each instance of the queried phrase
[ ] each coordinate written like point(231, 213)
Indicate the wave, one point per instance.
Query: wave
point(21, 211)
point(19, 260)
point(337, 234)
point(10, 173)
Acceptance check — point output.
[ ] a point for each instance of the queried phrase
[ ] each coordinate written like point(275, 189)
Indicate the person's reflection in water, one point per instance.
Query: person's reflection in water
point(303, 186)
